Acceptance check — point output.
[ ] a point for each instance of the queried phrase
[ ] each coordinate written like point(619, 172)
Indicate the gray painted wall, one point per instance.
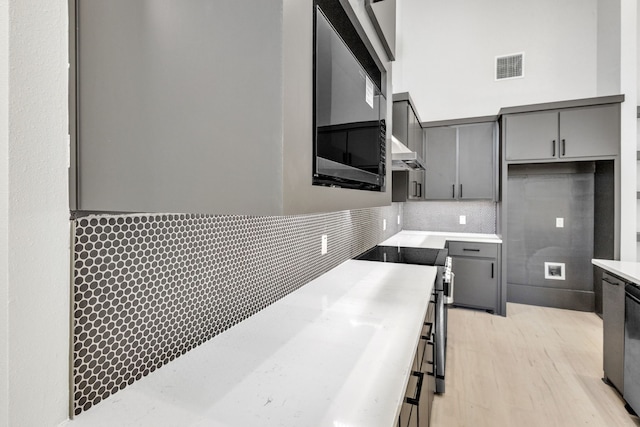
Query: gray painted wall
point(445, 216)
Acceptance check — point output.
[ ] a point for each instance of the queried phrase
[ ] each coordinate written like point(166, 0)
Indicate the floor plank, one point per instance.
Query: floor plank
point(536, 367)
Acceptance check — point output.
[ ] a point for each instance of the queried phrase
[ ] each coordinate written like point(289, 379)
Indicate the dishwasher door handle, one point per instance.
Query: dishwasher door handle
point(635, 299)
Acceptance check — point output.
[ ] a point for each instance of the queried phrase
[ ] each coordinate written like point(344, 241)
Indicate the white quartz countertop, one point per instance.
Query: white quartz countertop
point(627, 270)
point(436, 240)
point(336, 352)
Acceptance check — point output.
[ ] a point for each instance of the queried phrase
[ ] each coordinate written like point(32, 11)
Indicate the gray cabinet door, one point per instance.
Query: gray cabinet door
point(400, 128)
point(613, 330)
point(532, 136)
point(416, 185)
point(476, 283)
point(476, 161)
point(590, 132)
point(440, 177)
point(416, 137)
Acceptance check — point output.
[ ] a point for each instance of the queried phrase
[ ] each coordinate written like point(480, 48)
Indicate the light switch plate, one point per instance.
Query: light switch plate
point(463, 219)
point(559, 222)
point(323, 250)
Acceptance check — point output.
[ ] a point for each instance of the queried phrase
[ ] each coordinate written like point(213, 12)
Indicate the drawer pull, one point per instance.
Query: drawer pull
point(430, 330)
point(492, 270)
point(433, 358)
point(604, 279)
point(470, 250)
point(415, 400)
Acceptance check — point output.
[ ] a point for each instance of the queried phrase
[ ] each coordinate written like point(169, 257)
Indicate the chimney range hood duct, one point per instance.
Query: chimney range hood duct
point(402, 158)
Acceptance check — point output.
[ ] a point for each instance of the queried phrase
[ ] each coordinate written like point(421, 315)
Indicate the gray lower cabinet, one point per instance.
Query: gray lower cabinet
point(477, 269)
point(461, 162)
point(558, 135)
point(613, 329)
point(421, 388)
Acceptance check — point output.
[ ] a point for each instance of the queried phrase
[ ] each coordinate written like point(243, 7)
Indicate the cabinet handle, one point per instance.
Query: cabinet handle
point(564, 146)
point(461, 191)
point(430, 324)
point(415, 400)
point(604, 279)
point(453, 191)
point(470, 250)
point(492, 270)
point(415, 188)
point(433, 357)
point(553, 148)
point(419, 190)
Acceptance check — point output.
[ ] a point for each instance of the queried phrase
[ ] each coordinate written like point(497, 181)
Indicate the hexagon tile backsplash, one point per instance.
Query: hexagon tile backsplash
point(149, 288)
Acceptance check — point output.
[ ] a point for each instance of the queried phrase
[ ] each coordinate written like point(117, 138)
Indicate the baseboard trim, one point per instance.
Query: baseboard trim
point(551, 297)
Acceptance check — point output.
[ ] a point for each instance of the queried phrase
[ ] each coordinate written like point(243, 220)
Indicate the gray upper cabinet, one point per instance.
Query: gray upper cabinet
point(556, 135)
point(179, 111)
point(440, 180)
point(590, 132)
point(476, 161)
point(532, 136)
point(408, 130)
point(461, 162)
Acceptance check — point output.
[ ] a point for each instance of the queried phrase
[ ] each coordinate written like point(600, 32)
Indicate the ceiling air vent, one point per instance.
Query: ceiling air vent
point(510, 66)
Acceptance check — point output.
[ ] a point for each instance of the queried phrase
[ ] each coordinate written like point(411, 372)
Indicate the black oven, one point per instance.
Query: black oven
point(349, 104)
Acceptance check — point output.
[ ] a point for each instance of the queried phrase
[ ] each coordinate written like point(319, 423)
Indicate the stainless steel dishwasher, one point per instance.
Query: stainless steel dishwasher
point(632, 347)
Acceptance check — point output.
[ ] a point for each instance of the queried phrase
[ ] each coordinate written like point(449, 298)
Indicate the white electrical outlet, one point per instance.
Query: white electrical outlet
point(559, 222)
point(384, 224)
point(398, 219)
point(323, 249)
point(463, 219)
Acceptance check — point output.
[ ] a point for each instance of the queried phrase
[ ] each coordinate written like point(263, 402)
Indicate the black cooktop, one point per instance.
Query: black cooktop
point(405, 255)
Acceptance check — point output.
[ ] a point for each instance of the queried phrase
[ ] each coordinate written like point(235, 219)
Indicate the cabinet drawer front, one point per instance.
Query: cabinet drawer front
point(482, 250)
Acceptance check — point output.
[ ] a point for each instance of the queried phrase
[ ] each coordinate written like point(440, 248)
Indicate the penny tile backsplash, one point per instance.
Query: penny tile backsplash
point(150, 287)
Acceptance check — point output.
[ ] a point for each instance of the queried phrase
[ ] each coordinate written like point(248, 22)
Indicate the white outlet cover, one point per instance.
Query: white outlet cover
point(463, 219)
point(384, 224)
point(554, 270)
point(398, 219)
point(323, 249)
point(559, 222)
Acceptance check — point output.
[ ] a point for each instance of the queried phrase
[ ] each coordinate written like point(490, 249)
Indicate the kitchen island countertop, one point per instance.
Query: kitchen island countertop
point(336, 352)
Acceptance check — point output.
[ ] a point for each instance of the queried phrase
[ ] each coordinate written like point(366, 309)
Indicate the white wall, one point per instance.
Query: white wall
point(608, 47)
point(447, 50)
point(34, 213)
point(628, 128)
point(4, 212)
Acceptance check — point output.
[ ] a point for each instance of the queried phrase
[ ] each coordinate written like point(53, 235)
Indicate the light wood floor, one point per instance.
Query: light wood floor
point(536, 367)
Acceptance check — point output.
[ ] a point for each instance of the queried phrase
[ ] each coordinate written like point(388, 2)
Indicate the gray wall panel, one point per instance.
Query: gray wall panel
point(180, 105)
point(535, 201)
